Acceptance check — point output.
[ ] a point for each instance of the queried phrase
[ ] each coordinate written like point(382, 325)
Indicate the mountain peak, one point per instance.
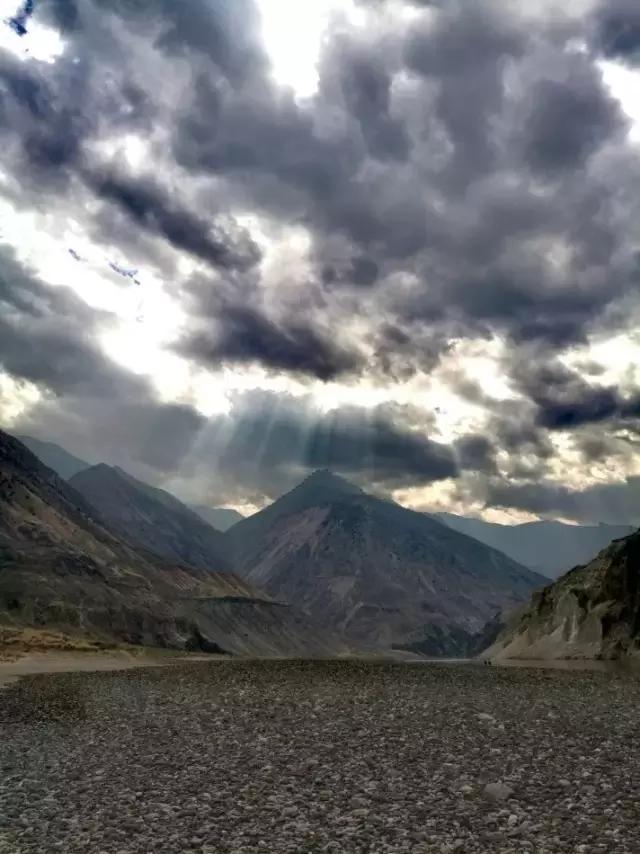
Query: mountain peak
point(373, 570)
point(54, 456)
point(326, 480)
point(153, 518)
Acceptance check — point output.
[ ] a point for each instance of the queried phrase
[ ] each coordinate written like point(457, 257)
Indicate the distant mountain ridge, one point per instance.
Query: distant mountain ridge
point(220, 518)
point(548, 547)
point(381, 574)
point(66, 465)
point(61, 566)
point(151, 517)
point(55, 457)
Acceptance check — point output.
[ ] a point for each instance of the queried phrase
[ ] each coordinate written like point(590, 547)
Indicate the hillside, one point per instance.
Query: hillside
point(382, 574)
point(548, 547)
point(151, 517)
point(62, 567)
point(591, 612)
point(55, 457)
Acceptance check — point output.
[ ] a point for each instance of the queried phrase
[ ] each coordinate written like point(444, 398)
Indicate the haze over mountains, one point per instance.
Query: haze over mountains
point(221, 518)
point(59, 459)
point(67, 465)
point(546, 546)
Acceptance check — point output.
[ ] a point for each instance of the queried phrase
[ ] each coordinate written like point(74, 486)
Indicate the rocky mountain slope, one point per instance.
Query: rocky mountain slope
point(61, 566)
point(548, 547)
point(591, 612)
point(151, 517)
point(383, 575)
point(220, 518)
point(55, 457)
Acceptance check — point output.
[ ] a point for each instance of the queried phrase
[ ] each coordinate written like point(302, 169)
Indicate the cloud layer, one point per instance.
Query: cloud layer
point(463, 175)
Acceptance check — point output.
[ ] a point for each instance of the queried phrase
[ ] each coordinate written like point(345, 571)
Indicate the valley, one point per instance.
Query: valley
point(319, 427)
point(326, 569)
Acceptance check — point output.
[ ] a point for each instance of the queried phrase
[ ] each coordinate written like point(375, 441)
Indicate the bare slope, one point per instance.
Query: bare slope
point(55, 457)
point(151, 517)
point(61, 566)
point(380, 573)
point(591, 612)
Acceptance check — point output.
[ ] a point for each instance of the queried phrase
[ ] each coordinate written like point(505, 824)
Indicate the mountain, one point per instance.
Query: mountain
point(220, 518)
point(381, 574)
point(151, 517)
point(591, 612)
point(550, 548)
point(55, 457)
point(62, 567)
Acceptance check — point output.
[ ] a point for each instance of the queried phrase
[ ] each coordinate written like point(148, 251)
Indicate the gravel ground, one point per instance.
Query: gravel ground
point(320, 756)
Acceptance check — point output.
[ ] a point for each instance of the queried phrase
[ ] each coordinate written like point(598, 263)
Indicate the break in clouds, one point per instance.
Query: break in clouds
point(463, 176)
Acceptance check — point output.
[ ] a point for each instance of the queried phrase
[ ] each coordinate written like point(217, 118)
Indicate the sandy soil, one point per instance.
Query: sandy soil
point(14, 664)
point(33, 663)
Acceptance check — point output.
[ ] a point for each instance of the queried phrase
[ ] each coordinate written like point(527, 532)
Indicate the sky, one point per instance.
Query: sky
point(244, 239)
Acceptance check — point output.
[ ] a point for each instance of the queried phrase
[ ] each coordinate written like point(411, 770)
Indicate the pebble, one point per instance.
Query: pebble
point(498, 791)
point(333, 757)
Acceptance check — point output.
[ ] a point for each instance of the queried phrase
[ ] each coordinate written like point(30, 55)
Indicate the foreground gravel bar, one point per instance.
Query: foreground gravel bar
point(320, 756)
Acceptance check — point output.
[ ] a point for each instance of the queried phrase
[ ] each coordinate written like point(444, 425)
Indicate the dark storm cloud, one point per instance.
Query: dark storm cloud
point(42, 132)
point(245, 335)
point(61, 14)
point(476, 453)
point(365, 87)
point(361, 272)
point(47, 337)
point(227, 32)
point(464, 174)
point(617, 30)
point(264, 446)
point(567, 121)
point(595, 448)
point(565, 400)
point(402, 124)
point(267, 143)
point(152, 209)
point(591, 406)
point(464, 53)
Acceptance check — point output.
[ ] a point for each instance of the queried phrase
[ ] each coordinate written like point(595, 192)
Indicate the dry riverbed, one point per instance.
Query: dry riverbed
point(341, 756)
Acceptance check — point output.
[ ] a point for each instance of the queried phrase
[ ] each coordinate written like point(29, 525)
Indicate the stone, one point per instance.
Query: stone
point(497, 791)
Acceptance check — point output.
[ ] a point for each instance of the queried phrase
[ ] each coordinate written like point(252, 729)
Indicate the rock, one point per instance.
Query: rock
point(497, 791)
